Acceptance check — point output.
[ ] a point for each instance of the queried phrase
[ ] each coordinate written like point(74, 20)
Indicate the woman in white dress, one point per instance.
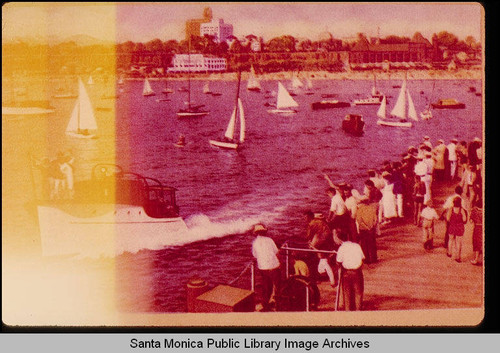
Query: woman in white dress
point(388, 201)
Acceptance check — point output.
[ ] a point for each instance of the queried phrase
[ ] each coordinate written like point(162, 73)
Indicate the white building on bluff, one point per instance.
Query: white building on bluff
point(218, 29)
point(197, 63)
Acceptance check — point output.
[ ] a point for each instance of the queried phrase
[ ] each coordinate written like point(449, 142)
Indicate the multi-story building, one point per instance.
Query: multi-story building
point(219, 30)
point(197, 63)
point(193, 25)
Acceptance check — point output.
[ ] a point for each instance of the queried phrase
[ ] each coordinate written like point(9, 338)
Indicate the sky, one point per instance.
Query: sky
point(142, 22)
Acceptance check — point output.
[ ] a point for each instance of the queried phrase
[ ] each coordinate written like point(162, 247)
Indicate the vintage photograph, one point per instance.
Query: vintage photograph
point(243, 164)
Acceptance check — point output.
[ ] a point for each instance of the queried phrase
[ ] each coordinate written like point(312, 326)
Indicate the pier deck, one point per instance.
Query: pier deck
point(408, 277)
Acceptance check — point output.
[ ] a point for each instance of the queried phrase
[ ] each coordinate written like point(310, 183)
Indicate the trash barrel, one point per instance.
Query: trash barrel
point(195, 287)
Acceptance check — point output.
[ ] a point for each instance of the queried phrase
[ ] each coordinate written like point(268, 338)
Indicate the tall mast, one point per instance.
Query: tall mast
point(238, 92)
point(189, 73)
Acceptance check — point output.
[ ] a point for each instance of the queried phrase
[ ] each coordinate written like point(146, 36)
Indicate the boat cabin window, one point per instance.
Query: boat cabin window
point(160, 202)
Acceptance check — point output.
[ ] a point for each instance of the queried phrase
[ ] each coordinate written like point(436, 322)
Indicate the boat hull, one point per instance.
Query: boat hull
point(448, 106)
point(368, 101)
point(25, 111)
point(107, 230)
point(81, 136)
point(354, 125)
point(191, 114)
point(282, 111)
point(329, 105)
point(225, 145)
point(394, 123)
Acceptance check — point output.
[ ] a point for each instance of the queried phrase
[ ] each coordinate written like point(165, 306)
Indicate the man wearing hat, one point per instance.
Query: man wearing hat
point(264, 250)
point(427, 141)
point(350, 257)
point(452, 157)
point(439, 157)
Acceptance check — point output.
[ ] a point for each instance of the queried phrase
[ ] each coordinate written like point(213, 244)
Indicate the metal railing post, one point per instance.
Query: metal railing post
point(287, 264)
point(307, 298)
point(252, 277)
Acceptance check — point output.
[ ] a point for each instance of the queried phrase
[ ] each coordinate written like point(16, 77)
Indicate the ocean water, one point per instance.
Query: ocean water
point(274, 179)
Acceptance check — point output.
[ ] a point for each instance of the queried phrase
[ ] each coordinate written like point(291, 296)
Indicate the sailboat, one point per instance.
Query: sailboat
point(167, 90)
point(253, 83)
point(147, 90)
point(427, 113)
point(82, 118)
point(238, 115)
point(90, 81)
point(192, 111)
point(120, 80)
point(309, 87)
point(375, 99)
point(285, 102)
point(206, 89)
point(375, 92)
point(296, 83)
point(404, 108)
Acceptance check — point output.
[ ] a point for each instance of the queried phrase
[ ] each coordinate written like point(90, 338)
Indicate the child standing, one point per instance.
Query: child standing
point(428, 215)
point(418, 199)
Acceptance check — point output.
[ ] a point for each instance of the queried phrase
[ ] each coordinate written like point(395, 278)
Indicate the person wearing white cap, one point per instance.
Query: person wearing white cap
point(265, 252)
point(452, 157)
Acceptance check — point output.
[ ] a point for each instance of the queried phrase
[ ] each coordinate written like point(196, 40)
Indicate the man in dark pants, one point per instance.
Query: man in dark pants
point(350, 257)
point(367, 220)
point(265, 252)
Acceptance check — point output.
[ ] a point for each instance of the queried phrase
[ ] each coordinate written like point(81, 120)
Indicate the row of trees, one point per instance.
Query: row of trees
point(71, 55)
point(285, 43)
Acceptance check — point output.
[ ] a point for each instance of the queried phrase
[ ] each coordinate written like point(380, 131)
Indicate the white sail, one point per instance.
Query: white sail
point(297, 83)
point(82, 117)
point(230, 127)
point(253, 83)
point(147, 90)
point(242, 121)
point(412, 113)
point(381, 113)
point(90, 81)
point(285, 100)
point(399, 109)
point(206, 88)
point(120, 80)
point(309, 84)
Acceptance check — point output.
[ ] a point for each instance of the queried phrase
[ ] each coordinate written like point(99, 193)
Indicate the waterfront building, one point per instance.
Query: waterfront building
point(411, 54)
point(219, 30)
point(193, 25)
point(197, 63)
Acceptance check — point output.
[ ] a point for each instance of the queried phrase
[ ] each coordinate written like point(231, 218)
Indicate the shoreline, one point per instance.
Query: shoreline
point(460, 74)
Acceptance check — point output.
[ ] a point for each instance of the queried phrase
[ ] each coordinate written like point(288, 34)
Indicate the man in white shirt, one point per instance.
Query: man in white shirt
point(264, 250)
point(338, 217)
point(350, 256)
point(452, 157)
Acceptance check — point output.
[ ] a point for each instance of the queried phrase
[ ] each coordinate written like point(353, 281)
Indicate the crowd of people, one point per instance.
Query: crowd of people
point(401, 190)
point(57, 177)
